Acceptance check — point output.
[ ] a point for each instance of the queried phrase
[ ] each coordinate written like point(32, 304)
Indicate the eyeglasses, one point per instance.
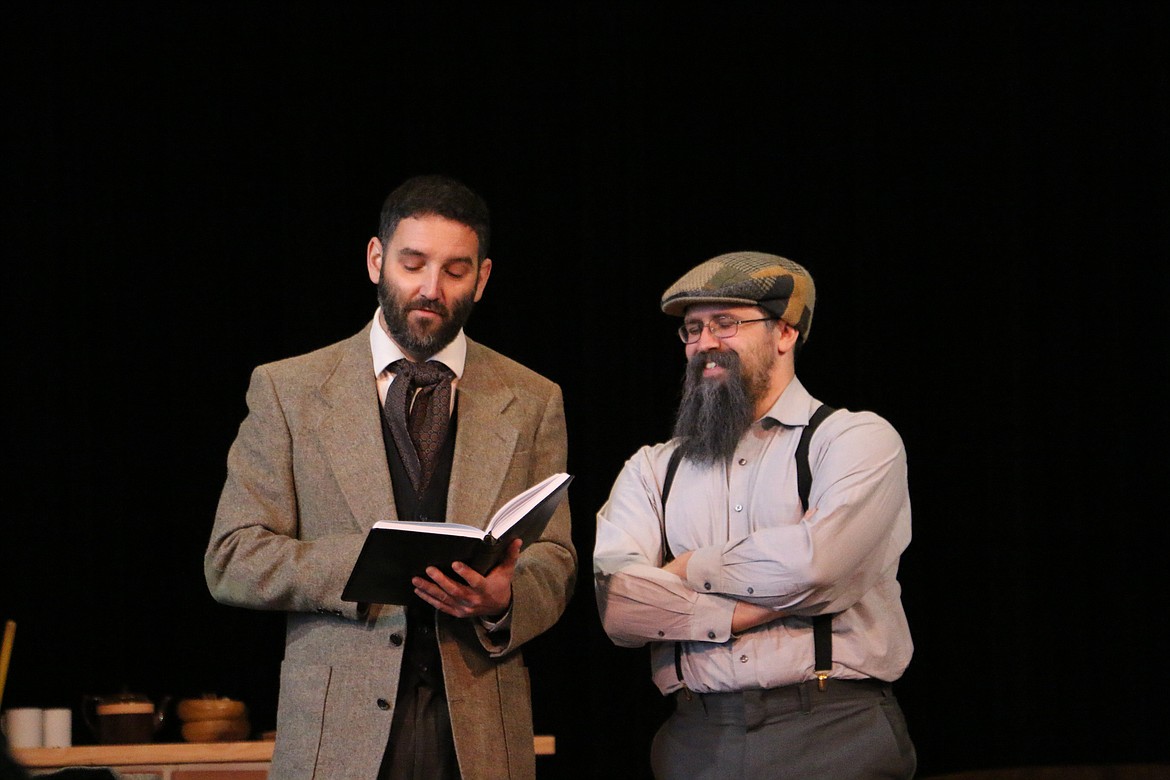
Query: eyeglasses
point(721, 327)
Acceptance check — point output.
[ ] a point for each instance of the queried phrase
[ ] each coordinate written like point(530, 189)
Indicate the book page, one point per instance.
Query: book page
point(519, 506)
point(445, 529)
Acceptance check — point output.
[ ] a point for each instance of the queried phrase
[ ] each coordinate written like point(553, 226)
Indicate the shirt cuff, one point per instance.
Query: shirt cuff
point(502, 624)
point(712, 619)
point(704, 569)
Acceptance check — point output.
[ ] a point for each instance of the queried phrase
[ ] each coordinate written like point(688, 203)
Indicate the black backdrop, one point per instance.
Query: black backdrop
point(980, 190)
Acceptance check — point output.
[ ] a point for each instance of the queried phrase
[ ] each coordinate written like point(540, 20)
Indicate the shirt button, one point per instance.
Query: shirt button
point(743, 461)
point(710, 634)
point(383, 704)
point(661, 633)
point(739, 507)
point(707, 585)
point(751, 591)
point(743, 659)
point(396, 639)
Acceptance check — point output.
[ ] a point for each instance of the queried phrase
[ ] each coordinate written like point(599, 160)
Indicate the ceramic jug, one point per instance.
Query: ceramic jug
point(123, 718)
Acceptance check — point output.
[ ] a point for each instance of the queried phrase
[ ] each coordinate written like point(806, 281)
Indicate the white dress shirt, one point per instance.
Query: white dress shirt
point(384, 351)
point(751, 541)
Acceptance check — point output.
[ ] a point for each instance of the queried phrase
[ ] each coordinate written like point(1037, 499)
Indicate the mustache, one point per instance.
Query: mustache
point(700, 360)
point(427, 304)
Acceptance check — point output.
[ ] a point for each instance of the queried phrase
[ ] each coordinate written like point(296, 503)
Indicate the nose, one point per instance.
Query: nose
point(429, 284)
point(707, 341)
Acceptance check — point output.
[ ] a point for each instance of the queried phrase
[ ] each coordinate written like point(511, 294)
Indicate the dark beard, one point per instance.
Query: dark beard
point(412, 341)
point(713, 414)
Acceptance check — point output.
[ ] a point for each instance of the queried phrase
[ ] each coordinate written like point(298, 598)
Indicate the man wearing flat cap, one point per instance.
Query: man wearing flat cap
point(757, 551)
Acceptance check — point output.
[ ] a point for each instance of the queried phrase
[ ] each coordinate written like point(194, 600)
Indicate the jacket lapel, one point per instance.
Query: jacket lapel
point(484, 441)
point(351, 434)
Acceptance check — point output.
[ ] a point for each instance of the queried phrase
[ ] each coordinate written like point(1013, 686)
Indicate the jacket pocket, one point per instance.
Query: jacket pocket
point(299, 718)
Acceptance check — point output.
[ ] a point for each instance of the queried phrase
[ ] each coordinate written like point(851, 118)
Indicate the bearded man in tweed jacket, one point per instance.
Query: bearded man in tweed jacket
point(436, 689)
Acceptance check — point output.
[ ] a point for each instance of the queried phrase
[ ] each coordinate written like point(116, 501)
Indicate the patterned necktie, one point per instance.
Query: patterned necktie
point(418, 420)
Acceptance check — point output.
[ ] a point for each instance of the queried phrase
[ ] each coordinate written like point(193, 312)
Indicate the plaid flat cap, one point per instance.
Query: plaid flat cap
point(776, 284)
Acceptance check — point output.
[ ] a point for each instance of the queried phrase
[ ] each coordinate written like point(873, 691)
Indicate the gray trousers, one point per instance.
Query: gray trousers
point(852, 729)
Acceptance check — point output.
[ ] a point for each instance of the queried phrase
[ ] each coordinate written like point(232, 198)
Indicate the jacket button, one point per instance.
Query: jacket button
point(383, 704)
point(396, 639)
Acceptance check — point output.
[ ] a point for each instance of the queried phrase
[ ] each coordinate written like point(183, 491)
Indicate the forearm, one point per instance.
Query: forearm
point(256, 557)
point(255, 568)
point(641, 604)
point(546, 572)
point(747, 616)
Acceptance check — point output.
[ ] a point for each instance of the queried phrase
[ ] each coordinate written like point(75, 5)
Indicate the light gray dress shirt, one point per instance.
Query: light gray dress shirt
point(752, 541)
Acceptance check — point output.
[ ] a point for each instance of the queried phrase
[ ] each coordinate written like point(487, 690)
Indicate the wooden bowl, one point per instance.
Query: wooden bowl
point(229, 730)
point(191, 710)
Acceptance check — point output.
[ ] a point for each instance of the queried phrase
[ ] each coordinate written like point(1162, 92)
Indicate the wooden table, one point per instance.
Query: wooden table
point(181, 761)
point(178, 761)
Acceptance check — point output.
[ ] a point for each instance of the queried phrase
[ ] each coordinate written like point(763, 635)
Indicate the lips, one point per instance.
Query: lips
point(427, 305)
point(712, 370)
point(712, 365)
point(427, 315)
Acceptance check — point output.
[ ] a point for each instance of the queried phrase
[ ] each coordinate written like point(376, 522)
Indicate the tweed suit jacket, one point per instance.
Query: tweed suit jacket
point(307, 476)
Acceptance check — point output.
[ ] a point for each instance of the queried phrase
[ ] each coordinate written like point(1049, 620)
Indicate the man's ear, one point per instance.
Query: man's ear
point(374, 259)
point(786, 337)
point(485, 270)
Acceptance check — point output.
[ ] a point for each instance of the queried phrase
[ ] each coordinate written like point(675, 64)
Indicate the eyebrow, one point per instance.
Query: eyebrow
point(696, 320)
point(410, 252)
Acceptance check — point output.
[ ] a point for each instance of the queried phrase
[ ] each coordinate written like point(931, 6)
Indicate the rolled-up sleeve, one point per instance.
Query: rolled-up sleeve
point(638, 601)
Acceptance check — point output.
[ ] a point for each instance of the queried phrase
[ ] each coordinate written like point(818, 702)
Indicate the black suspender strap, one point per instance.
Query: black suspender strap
point(671, 467)
point(803, 468)
point(667, 555)
point(822, 624)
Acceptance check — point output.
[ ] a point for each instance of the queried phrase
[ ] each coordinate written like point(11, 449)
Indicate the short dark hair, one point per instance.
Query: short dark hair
point(441, 196)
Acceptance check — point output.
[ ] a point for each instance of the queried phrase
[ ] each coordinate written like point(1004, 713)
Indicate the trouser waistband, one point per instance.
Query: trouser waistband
point(799, 697)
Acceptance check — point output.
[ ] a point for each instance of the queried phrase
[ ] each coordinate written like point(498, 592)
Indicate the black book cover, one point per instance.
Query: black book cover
point(391, 556)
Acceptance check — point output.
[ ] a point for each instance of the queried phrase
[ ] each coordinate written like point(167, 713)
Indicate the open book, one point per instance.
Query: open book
point(394, 551)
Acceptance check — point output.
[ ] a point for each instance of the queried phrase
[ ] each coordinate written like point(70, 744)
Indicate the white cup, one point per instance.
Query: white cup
point(58, 727)
point(24, 727)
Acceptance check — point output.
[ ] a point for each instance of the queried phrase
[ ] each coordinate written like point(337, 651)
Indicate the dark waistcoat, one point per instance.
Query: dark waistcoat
point(421, 661)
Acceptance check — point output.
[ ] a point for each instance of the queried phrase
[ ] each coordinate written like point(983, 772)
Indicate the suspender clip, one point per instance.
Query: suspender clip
point(822, 680)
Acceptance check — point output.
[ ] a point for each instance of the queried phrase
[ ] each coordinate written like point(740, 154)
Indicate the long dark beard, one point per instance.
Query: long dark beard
point(713, 414)
point(412, 341)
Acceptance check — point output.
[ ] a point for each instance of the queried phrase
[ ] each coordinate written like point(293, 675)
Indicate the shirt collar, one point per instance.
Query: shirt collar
point(384, 351)
point(792, 409)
